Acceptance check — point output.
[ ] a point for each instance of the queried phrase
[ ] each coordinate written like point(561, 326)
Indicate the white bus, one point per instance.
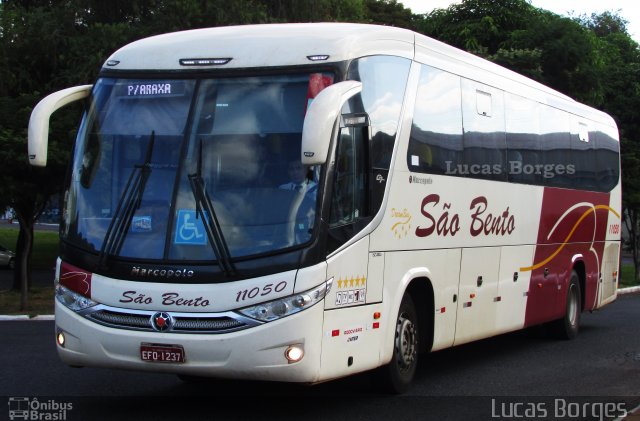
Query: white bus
point(443, 199)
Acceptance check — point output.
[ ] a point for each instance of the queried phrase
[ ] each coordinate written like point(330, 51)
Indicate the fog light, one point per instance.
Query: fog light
point(60, 339)
point(294, 353)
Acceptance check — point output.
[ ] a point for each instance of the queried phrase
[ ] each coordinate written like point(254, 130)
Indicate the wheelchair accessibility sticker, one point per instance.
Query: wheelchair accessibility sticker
point(189, 229)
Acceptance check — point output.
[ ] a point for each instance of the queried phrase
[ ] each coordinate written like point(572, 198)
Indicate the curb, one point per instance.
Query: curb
point(24, 317)
point(630, 290)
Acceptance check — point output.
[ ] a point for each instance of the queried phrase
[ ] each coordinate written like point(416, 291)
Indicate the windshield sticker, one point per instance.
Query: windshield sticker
point(141, 224)
point(189, 229)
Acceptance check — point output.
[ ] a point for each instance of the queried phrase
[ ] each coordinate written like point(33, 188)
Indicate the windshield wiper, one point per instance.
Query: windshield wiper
point(209, 218)
point(127, 205)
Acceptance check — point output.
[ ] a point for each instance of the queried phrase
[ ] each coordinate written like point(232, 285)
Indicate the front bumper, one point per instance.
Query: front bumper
point(256, 353)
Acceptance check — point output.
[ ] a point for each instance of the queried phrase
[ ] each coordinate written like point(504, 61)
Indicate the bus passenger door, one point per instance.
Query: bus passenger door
point(477, 294)
point(350, 343)
point(349, 214)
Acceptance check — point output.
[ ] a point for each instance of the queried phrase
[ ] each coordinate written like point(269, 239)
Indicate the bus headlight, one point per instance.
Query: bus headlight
point(283, 307)
point(73, 300)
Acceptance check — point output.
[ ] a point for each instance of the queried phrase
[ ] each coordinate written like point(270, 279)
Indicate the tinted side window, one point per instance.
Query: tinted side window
point(384, 79)
point(523, 139)
point(555, 141)
point(435, 145)
point(607, 160)
point(349, 211)
point(466, 129)
point(348, 200)
point(583, 155)
point(484, 136)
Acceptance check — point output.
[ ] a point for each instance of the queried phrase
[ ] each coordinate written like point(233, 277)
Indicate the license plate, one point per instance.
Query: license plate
point(159, 353)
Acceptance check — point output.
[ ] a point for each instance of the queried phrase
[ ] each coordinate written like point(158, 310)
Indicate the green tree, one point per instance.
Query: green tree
point(390, 12)
point(29, 44)
point(605, 24)
point(47, 45)
point(313, 10)
point(621, 58)
point(478, 26)
point(551, 49)
point(590, 58)
point(570, 61)
point(526, 61)
point(174, 15)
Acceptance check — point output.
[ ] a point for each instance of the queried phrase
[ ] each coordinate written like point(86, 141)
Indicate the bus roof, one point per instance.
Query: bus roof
point(291, 44)
point(264, 45)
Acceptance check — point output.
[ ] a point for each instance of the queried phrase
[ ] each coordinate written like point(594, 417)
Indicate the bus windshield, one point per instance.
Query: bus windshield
point(187, 170)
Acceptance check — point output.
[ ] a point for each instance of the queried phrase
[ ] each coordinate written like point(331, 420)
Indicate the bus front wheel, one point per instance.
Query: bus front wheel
point(399, 373)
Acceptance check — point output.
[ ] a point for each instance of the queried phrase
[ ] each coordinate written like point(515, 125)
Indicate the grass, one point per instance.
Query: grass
point(43, 257)
point(45, 246)
point(40, 301)
point(626, 277)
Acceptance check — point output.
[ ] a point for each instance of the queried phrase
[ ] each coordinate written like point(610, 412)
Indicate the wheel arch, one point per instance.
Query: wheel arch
point(417, 283)
point(580, 268)
point(421, 291)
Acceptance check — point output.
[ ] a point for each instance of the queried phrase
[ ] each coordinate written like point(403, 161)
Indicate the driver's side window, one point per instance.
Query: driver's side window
point(349, 190)
point(349, 194)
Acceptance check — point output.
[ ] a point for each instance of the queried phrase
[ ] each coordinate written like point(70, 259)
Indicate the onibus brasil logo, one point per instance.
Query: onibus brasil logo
point(24, 408)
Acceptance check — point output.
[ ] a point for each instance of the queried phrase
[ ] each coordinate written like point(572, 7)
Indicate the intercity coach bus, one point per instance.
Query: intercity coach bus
point(443, 199)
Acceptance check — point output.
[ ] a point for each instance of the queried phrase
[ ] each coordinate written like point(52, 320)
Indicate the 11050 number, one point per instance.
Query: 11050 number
point(262, 292)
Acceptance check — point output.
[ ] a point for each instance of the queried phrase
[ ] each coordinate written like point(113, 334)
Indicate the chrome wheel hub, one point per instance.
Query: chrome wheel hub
point(572, 309)
point(406, 342)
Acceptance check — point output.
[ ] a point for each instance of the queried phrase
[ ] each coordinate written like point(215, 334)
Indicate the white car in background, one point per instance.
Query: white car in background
point(7, 258)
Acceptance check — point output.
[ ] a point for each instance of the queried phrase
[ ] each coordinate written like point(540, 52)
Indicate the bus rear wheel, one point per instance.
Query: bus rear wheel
point(569, 325)
point(399, 373)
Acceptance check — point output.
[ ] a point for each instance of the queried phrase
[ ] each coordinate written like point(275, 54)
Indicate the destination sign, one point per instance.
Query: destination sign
point(150, 89)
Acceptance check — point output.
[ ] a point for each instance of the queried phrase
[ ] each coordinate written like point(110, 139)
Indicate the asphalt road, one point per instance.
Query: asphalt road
point(489, 379)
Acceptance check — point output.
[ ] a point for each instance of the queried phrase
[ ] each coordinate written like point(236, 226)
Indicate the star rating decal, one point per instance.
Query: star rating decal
point(351, 282)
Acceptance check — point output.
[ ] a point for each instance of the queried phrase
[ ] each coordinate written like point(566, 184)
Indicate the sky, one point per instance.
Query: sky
point(628, 9)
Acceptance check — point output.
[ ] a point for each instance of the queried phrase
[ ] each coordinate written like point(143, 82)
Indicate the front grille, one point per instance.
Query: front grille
point(122, 320)
point(183, 322)
point(210, 324)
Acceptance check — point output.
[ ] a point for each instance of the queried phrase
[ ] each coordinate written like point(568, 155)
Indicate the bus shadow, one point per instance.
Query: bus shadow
point(442, 379)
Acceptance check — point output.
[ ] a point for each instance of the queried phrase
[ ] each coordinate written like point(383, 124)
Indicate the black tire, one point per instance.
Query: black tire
point(569, 326)
point(399, 373)
point(12, 264)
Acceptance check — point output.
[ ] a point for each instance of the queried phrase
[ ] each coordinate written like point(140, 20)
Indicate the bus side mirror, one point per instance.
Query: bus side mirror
point(320, 119)
point(39, 121)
